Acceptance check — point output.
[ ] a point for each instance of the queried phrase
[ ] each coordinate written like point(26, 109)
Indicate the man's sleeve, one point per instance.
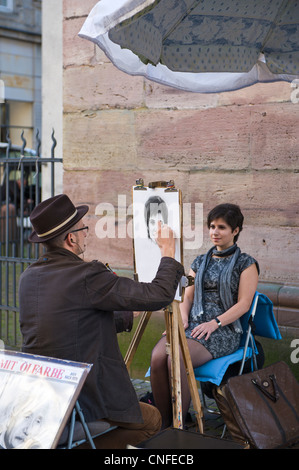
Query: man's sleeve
point(107, 291)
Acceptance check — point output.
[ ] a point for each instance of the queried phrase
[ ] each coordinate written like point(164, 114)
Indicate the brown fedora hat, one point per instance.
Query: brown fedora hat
point(53, 217)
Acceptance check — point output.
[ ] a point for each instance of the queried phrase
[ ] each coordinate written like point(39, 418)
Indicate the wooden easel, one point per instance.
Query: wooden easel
point(175, 342)
point(176, 337)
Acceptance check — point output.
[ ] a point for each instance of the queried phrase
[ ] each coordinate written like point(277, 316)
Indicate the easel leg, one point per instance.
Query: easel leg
point(191, 377)
point(172, 345)
point(178, 338)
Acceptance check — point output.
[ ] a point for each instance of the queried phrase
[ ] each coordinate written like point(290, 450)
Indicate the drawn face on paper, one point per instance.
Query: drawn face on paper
point(150, 206)
point(155, 209)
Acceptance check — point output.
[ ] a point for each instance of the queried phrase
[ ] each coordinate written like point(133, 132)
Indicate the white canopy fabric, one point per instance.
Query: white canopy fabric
point(204, 46)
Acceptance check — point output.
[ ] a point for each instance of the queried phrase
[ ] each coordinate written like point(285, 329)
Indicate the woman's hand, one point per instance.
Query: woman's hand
point(185, 322)
point(186, 305)
point(204, 330)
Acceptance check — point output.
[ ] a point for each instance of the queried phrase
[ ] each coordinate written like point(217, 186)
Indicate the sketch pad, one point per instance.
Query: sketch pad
point(150, 205)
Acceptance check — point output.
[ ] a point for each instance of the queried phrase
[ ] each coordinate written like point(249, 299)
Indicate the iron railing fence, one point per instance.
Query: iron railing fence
point(22, 175)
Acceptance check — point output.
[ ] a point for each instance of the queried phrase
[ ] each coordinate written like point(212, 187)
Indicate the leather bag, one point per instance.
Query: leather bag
point(261, 408)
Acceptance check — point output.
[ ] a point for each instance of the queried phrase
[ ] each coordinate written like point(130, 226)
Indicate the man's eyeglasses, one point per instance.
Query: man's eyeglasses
point(77, 230)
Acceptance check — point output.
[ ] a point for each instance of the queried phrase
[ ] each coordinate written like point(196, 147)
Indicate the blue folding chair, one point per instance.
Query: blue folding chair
point(78, 432)
point(260, 321)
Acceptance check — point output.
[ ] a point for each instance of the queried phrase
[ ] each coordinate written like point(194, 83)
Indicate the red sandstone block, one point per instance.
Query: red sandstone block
point(100, 86)
point(161, 97)
point(101, 140)
point(194, 139)
point(256, 94)
point(274, 136)
point(267, 196)
point(76, 51)
point(77, 8)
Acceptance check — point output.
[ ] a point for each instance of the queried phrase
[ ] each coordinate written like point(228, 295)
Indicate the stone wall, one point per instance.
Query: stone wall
point(239, 147)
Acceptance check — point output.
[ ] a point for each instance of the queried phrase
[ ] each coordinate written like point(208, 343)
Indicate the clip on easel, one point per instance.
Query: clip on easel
point(175, 335)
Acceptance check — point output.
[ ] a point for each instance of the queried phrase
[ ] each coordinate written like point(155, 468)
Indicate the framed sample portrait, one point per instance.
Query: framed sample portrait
point(37, 396)
point(151, 205)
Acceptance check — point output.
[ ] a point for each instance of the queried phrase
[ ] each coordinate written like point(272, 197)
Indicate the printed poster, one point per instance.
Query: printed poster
point(37, 396)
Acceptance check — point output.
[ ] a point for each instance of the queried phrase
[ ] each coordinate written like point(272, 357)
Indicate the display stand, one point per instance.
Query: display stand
point(176, 342)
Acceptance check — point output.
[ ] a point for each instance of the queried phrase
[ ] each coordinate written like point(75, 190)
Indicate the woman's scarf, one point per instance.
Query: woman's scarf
point(224, 281)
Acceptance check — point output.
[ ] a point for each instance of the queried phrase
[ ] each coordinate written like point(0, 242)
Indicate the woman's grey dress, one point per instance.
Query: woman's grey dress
point(224, 340)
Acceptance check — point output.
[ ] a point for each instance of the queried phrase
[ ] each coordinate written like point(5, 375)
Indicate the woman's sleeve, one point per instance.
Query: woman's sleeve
point(196, 263)
point(246, 261)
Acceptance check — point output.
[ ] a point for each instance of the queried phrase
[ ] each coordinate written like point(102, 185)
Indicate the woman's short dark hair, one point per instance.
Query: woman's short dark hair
point(232, 215)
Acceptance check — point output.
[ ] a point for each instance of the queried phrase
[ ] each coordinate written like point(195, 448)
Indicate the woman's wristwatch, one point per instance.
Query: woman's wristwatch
point(218, 322)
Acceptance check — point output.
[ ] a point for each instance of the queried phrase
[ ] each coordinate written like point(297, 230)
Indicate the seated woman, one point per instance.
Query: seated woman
point(225, 283)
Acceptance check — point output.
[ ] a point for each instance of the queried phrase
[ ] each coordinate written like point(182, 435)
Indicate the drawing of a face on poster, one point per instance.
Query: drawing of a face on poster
point(37, 394)
point(30, 421)
point(149, 207)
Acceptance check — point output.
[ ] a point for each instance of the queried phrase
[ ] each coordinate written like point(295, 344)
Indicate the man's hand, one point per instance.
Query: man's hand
point(165, 240)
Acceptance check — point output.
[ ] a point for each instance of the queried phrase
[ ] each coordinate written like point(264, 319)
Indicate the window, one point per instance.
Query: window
point(15, 117)
point(3, 121)
point(6, 5)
